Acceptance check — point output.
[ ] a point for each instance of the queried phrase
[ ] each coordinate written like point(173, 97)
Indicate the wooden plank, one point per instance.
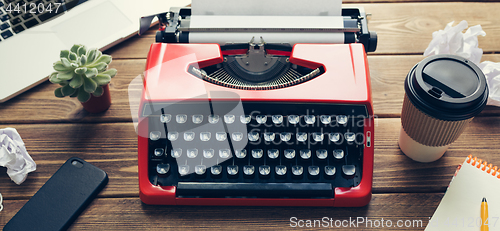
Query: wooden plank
point(387, 79)
point(402, 28)
point(407, 27)
point(395, 172)
point(113, 147)
point(39, 105)
point(131, 214)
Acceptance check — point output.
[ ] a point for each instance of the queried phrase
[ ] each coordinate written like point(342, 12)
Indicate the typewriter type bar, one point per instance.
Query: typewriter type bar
point(297, 139)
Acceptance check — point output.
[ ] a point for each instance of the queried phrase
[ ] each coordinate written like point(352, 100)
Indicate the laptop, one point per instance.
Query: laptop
point(31, 37)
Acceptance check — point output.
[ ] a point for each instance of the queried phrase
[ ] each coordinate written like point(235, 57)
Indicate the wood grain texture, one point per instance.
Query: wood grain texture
point(402, 28)
point(407, 27)
point(130, 214)
point(39, 105)
point(56, 129)
point(113, 147)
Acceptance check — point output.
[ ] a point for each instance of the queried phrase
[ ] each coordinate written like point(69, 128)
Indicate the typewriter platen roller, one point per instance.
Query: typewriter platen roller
point(260, 119)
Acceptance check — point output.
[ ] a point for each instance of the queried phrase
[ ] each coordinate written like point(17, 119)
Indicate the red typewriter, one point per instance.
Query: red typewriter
point(257, 116)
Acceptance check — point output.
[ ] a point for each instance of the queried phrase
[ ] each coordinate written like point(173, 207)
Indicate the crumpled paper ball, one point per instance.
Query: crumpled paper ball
point(453, 41)
point(14, 156)
point(492, 72)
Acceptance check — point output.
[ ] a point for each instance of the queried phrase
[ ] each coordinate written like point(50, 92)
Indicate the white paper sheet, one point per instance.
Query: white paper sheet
point(460, 207)
point(267, 7)
point(291, 38)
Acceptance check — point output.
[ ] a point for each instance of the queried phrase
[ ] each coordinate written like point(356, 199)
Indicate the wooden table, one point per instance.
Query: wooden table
point(55, 129)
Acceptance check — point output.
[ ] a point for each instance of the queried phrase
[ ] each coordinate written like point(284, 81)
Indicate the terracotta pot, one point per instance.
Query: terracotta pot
point(98, 104)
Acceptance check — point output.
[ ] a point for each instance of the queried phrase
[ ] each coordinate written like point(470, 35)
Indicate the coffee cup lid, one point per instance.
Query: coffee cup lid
point(447, 87)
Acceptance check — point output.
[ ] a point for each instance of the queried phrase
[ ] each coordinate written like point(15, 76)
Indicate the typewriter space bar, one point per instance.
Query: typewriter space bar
point(260, 190)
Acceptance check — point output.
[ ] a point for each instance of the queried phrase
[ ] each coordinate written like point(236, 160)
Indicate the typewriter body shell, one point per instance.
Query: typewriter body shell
point(344, 80)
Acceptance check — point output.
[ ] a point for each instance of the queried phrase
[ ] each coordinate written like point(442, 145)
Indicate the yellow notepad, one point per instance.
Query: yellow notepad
point(460, 207)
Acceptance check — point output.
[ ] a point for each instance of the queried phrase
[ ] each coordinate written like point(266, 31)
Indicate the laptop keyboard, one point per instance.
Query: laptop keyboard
point(17, 16)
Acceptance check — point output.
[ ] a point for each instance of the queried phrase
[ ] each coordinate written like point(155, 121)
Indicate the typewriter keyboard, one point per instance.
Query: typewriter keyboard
point(255, 149)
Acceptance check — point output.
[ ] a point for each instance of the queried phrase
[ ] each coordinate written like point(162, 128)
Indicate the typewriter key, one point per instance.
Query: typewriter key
point(165, 118)
point(197, 119)
point(232, 171)
point(334, 137)
point(192, 153)
point(310, 119)
point(330, 172)
point(301, 136)
point(269, 136)
point(182, 118)
point(277, 119)
point(237, 136)
point(289, 153)
point(162, 169)
point(229, 119)
point(297, 171)
point(293, 119)
point(317, 136)
point(183, 170)
point(220, 136)
point(321, 154)
point(313, 172)
point(173, 136)
point(205, 136)
point(348, 171)
point(155, 135)
point(338, 154)
point(159, 152)
point(216, 171)
point(342, 119)
point(350, 136)
point(208, 153)
point(224, 153)
point(261, 119)
point(273, 153)
point(176, 152)
point(245, 119)
point(280, 171)
point(305, 154)
point(200, 170)
point(253, 136)
point(240, 154)
point(325, 119)
point(213, 119)
point(257, 153)
point(248, 170)
point(285, 136)
point(265, 171)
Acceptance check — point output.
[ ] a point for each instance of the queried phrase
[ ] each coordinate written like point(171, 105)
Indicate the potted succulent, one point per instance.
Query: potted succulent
point(84, 74)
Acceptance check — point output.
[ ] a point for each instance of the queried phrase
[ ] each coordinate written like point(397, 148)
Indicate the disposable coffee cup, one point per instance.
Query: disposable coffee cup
point(443, 93)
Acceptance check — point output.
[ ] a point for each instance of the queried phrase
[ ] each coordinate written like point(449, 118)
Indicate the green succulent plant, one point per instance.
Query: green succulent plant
point(81, 72)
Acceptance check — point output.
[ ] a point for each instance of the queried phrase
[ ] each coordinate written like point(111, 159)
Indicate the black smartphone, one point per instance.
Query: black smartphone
point(61, 199)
